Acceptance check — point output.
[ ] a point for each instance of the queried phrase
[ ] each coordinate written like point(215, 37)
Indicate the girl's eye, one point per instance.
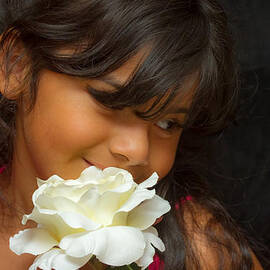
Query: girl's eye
point(169, 124)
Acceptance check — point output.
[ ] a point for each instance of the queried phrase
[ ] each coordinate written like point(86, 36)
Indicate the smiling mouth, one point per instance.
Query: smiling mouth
point(89, 164)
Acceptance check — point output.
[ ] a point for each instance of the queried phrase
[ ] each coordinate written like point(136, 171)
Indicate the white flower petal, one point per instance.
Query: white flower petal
point(118, 187)
point(102, 208)
point(45, 202)
point(136, 198)
point(57, 187)
point(91, 174)
point(116, 184)
point(120, 180)
point(90, 201)
point(37, 193)
point(73, 190)
point(151, 235)
point(53, 180)
point(77, 215)
point(34, 241)
point(133, 201)
point(57, 259)
point(76, 221)
point(150, 182)
point(147, 257)
point(114, 246)
point(147, 212)
point(108, 205)
point(120, 219)
point(151, 240)
point(40, 182)
point(44, 261)
point(113, 171)
point(53, 223)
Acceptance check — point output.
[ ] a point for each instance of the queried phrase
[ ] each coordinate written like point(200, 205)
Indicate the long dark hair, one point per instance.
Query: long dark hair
point(184, 37)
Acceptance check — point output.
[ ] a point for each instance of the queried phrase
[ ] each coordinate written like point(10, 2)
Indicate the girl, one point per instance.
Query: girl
point(118, 83)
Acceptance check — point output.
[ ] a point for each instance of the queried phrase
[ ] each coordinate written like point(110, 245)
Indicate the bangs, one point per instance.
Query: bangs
point(184, 38)
point(172, 55)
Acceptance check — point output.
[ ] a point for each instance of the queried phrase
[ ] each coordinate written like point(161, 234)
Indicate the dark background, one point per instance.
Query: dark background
point(239, 165)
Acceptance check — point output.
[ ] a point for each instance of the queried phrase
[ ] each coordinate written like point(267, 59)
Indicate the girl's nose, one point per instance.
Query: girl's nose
point(130, 145)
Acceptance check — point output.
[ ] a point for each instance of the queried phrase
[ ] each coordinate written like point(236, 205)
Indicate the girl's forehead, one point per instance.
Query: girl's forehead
point(122, 75)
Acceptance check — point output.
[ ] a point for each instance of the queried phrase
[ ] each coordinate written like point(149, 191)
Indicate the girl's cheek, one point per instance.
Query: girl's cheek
point(164, 156)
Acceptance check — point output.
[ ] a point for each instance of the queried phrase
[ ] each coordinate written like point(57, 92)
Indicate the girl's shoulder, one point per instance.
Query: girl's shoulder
point(206, 238)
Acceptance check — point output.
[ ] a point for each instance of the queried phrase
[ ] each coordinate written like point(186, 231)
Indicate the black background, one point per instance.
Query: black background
point(240, 165)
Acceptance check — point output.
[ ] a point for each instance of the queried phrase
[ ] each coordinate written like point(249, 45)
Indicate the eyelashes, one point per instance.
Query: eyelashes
point(165, 124)
point(169, 124)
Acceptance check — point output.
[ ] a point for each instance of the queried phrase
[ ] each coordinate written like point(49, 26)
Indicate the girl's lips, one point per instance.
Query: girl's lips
point(88, 162)
point(94, 164)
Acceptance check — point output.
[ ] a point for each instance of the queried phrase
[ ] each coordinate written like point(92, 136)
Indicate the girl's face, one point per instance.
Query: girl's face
point(68, 130)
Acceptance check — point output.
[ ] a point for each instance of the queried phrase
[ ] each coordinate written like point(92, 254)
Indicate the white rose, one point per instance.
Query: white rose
point(102, 213)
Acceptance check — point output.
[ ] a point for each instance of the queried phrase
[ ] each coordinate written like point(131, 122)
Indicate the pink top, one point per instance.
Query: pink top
point(158, 264)
point(2, 169)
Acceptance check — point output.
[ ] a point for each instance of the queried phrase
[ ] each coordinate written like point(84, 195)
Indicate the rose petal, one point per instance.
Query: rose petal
point(133, 201)
point(57, 259)
point(58, 203)
point(113, 171)
point(116, 180)
point(76, 221)
point(37, 193)
point(150, 182)
point(53, 223)
point(71, 189)
point(34, 241)
point(53, 180)
point(102, 208)
point(79, 213)
point(151, 240)
point(151, 236)
point(147, 212)
point(74, 193)
point(136, 198)
point(91, 175)
point(117, 186)
point(120, 219)
point(114, 246)
point(90, 201)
